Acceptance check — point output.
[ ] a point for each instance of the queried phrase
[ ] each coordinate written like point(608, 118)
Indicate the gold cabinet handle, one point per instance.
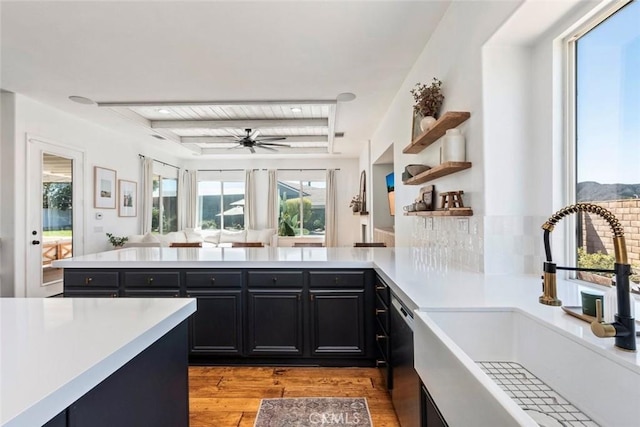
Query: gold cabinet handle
point(380, 363)
point(381, 337)
point(380, 311)
point(380, 288)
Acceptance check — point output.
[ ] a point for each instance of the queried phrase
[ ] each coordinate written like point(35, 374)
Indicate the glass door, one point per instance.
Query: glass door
point(54, 213)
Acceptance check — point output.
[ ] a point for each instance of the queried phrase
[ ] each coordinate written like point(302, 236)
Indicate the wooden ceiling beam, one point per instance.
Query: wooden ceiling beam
point(223, 139)
point(238, 123)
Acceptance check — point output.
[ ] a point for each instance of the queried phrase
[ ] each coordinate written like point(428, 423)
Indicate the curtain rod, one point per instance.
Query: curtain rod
point(159, 161)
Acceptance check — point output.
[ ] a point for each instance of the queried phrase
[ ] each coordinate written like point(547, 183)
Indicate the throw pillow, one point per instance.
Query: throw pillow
point(192, 236)
point(211, 236)
point(150, 238)
point(227, 236)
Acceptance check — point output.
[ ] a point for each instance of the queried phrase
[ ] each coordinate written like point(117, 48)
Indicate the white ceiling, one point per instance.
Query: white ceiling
point(215, 51)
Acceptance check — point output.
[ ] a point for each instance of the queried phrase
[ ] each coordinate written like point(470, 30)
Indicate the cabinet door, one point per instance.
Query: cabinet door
point(431, 416)
point(337, 322)
point(275, 322)
point(216, 327)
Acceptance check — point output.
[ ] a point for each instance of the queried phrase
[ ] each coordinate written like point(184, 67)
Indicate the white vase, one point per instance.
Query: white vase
point(453, 147)
point(426, 122)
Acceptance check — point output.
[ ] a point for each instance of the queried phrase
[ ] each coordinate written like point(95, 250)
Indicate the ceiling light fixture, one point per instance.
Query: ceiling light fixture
point(296, 110)
point(346, 97)
point(163, 111)
point(82, 100)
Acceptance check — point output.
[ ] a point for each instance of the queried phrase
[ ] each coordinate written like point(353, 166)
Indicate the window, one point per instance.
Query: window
point(221, 204)
point(302, 204)
point(607, 129)
point(164, 214)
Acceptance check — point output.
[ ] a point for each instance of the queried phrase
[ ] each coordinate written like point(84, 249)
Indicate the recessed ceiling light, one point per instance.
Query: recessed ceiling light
point(163, 111)
point(296, 110)
point(82, 100)
point(346, 97)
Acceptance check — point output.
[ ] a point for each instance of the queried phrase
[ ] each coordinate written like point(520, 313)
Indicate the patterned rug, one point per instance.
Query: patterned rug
point(314, 411)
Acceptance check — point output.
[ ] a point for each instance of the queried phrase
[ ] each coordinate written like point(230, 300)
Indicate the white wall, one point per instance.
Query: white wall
point(347, 178)
point(453, 55)
point(502, 62)
point(102, 147)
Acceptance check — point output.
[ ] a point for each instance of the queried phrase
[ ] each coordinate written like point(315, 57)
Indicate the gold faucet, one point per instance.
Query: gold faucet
point(623, 328)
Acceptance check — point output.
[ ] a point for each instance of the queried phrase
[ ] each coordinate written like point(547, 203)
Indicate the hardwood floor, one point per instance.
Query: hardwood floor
point(223, 396)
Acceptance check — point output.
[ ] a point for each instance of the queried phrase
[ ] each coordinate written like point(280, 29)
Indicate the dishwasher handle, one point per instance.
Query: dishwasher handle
point(404, 312)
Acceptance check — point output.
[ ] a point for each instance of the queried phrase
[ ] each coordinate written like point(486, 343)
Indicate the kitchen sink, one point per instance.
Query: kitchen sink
point(459, 354)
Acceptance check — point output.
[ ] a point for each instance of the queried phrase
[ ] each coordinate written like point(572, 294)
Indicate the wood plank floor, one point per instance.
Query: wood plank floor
point(223, 396)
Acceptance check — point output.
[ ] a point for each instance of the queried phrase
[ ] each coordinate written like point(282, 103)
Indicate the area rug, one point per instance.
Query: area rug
point(314, 411)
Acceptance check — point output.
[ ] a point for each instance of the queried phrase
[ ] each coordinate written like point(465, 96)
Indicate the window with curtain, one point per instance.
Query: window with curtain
point(301, 203)
point(221, 204)
point(607, 136)
point(164, 215)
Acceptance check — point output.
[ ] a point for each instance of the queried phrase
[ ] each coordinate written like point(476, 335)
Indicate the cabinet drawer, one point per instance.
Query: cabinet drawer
point(142, 279)
point(90, 293)
point(153, 293)
point(97, 279)
point(382, 291)
point(336, 279)
point(275, 278)
point(217, 279)
point(382, 316)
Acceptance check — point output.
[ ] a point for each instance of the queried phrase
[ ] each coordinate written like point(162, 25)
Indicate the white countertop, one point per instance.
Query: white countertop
point(407, 271)
point(55, 350)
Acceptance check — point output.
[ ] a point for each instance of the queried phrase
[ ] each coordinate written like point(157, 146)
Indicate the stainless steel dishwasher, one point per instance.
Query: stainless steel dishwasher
point(406, 382)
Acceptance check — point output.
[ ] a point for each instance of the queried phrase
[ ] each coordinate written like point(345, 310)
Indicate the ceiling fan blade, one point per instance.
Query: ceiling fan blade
point(274, 144)
point(271, 138)
point(237, 146)
point(265, 147)
point(253, 151)
point(254, 134)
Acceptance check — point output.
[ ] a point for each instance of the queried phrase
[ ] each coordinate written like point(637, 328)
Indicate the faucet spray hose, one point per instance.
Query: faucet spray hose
point(616, 228)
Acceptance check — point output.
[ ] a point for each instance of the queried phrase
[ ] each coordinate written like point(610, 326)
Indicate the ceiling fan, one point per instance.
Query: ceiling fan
point(251, 141)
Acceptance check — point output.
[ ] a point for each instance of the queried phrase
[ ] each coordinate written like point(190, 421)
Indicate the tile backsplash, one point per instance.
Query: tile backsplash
point(492, 244)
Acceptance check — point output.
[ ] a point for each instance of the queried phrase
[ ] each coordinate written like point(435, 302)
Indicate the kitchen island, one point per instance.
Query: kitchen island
point(424, 289)
point(93, 362)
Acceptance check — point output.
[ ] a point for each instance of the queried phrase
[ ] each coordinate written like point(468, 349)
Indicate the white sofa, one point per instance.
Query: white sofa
point(208, 238)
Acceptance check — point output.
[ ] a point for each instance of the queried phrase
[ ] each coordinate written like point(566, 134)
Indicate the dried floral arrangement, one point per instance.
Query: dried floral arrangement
point(428, 99)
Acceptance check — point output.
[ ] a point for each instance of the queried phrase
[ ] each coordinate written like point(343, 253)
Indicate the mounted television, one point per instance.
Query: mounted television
point(391, 194)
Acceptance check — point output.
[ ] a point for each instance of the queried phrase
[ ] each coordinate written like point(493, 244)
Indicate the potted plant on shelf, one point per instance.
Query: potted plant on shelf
point(116, 241)
point(428, 100)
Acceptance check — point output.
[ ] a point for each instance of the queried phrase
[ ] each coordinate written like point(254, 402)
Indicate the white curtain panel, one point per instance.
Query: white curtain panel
point(189, 199)
point(331, 216)
point(146, 168)
point(250, 200)
point(272, 200)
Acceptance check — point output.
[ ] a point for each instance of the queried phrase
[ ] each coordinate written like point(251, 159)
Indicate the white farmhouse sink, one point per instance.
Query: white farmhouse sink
point(448, 343)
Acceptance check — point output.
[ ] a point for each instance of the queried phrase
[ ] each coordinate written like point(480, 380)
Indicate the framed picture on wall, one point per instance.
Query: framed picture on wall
point(104, 188)
point(127, 197)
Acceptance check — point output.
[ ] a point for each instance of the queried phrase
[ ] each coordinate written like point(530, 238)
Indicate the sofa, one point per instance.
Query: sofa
point(208, 238)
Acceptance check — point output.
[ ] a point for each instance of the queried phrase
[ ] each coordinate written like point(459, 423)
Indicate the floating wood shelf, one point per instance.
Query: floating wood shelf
point(448, 120)
point(451, 212)
point(439, 171)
